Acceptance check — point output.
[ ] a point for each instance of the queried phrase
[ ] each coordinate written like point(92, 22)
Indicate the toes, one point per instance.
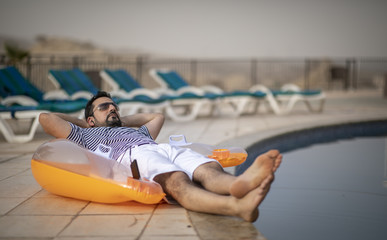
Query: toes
point(273, 153)
point(267, 181)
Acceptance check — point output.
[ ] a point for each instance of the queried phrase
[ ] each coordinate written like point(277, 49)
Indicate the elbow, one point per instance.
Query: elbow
point(161, 117)
point(43, 118)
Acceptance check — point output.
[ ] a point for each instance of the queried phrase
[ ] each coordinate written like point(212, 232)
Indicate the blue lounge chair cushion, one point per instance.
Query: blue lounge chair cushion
point(57, 106)
point(140, 99)
point(123, 79)
point(303, 92)
point(14, 109)
point(128, 84)
point(73, 81)
point(173, 80)
point(64, 106)
point(189, 95)
point(241, 93)
point(13, 84)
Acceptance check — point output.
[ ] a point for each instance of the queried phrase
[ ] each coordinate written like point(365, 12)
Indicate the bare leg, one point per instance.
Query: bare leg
point(213, 178)
point(195, 198)
point(264, 165)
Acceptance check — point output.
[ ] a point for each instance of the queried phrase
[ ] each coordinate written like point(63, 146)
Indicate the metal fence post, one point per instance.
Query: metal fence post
point(193, 71)
point(2, 59)
point(75, 62)
point(348, 79)
point(139, 67)
point(385, 86)
point(354, 77)
point(253, 72)
point(29, 66)
point(307, 74)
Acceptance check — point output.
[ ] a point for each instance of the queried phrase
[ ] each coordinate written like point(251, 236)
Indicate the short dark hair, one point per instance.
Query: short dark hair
point(89, 106)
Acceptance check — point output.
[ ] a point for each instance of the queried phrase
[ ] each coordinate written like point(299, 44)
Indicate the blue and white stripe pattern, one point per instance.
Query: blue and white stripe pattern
point(119, 139)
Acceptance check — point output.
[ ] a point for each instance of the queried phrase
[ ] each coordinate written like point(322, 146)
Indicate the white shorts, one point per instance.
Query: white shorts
point(155, 159)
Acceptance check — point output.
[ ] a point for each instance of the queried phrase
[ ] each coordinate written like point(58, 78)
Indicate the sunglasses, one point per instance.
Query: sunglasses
point(105, 106)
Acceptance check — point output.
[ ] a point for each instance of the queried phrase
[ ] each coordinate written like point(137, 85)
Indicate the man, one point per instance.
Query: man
point(194, 181)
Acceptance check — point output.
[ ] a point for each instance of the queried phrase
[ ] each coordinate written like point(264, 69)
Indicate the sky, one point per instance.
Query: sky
point(208, 28)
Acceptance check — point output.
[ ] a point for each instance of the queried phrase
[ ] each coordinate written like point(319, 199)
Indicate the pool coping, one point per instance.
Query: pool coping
point(248, 140)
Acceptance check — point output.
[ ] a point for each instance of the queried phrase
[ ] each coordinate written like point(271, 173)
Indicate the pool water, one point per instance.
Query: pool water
point(335, 190)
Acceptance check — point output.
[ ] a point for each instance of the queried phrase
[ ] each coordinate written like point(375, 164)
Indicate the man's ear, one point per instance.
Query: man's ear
point(90, 121)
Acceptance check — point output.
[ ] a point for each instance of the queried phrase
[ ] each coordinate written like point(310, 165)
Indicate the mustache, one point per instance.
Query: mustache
point(111, 114)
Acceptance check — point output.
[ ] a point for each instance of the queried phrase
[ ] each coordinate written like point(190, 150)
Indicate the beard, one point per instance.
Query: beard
point(113, 120)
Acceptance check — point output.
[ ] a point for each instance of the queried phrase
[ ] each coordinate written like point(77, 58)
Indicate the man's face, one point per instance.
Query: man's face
point(105, 114)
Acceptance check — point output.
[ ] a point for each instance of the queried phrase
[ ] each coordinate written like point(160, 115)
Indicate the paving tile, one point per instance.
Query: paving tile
point(9, 172)
point(169, 209)
point(119, 208)
point(218, 131)
point(7, 204)
point(32, 226)
point(18, 161)
point(45, 194)
point(53, 205)
point(21, 185)
point(193, 132)
point(7, 156)
point(98, 238)
point(250, 125)
point(169, 225)
point(106, 225)
point(171, 237)
point(29, 147)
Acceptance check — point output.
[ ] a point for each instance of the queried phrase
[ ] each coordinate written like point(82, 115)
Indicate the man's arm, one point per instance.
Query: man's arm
point(57, 124)
point(153, 121)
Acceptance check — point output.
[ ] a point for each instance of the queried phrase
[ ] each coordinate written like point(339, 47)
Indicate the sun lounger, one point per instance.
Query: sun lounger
point(31, 112)
point(284, 100)
point(123, 85)
point(131, 96)
point(173, 83)
point(18, 112)
point(74, 82)
point(16, 89)
point(184, 107)
point(22, 100)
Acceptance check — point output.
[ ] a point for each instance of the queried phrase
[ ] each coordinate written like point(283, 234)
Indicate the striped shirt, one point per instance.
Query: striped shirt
point(119, 139)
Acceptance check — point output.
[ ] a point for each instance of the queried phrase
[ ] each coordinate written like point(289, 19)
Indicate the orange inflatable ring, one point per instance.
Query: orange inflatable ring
point(63, 168)
point(226, 158)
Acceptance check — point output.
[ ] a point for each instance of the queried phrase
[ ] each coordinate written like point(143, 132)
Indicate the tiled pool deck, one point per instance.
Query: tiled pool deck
point(28, 212)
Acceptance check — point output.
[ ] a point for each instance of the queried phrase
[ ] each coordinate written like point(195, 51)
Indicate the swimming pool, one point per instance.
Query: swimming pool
point(334, 190)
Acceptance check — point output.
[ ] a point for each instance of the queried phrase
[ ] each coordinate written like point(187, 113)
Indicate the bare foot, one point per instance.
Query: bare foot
point(263, 166)
point(249, 204)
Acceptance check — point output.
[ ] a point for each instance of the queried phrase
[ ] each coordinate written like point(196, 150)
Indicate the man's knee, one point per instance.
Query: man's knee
point(206, 171)
point(173, 182)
